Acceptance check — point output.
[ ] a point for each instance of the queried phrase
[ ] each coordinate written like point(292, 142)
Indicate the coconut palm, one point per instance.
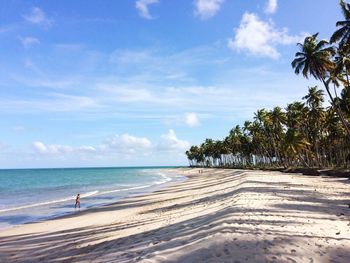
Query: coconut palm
point(344, 101)
point(304, 133)
point(195, 156)
point(296, 114)
point(314, 59)
point(294, 145)
point(314, 98)
point(278, 121)
point(343, 33)
point(278, 118)
point(342, 63)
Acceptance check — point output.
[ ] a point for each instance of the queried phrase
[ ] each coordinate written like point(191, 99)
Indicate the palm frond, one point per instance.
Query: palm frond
point(321, 44)
point(337, 35)
point(345, 8)
point(306, 71)
point(299, 54)
point(342, 23)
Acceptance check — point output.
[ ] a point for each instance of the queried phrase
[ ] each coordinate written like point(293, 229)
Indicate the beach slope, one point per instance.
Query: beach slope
point(215, 216)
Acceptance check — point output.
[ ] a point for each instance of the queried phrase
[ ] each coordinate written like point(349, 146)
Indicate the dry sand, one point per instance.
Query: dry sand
point(217, 216)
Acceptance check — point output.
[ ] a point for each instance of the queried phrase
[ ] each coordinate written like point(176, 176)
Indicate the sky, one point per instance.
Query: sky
point(136, 82)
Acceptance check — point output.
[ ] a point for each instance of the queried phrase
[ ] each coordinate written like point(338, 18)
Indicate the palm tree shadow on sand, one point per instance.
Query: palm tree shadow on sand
point(230, 234)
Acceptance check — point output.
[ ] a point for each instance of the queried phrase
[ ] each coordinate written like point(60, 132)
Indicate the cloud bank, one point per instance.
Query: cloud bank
point(117, 146)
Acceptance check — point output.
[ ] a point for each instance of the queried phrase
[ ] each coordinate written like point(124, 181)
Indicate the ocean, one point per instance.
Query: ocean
point(30, 195)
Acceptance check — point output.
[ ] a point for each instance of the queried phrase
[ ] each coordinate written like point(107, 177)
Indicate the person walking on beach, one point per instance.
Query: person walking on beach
point(77, 201)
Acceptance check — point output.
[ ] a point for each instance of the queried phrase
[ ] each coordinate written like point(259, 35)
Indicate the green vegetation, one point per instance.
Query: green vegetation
point(304, 134)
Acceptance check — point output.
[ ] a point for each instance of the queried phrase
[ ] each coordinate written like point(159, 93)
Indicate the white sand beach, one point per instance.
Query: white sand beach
point(216, 216)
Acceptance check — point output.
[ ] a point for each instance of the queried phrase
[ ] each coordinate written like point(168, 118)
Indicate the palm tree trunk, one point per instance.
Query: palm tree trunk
point(340, 113)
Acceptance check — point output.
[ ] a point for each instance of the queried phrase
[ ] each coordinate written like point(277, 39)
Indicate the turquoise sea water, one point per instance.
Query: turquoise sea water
point(28, 195)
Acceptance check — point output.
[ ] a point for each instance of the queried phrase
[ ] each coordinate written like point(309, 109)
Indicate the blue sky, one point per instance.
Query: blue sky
point(118, 83)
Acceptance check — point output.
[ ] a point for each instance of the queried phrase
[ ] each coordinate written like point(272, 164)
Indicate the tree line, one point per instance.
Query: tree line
point(304, 133)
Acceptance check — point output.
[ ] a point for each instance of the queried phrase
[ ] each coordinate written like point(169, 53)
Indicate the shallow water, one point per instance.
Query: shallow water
point(28, 195)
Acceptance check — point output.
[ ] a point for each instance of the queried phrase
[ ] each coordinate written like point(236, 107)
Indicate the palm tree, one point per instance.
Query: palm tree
point(345, 101)
point(234, 144)
point(334, 142)
point(278, 120)
point(343, 33)
point(314, 58)
point(195, 156)
point(342, 64)
point(300, 134)
point(208, 148)
point(296, 115)
point(294, 145)
point(314, 98)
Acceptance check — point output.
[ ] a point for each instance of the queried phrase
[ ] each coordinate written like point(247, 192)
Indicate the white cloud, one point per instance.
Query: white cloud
point(56, 149)
point(116, 150)
point(142, 7)
point(191, 119)
point(260, 38)
point(271, 7)
point(27, 42)
point(127, 143)
point(207, 8)
point(86, 149)
point(38, 17)
point(170, 142)
point(40, 147)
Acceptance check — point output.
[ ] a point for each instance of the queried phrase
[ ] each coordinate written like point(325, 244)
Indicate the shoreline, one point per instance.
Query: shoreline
point(127, 193)
point(219, 215)
point(150, 189)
